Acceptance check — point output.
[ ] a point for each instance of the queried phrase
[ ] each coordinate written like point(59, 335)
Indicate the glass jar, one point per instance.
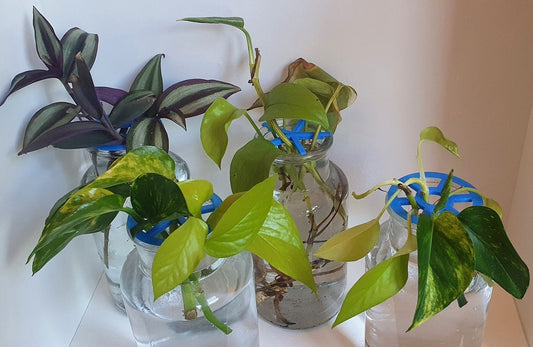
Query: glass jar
point(387, 323)
point(114, 245)
point(313, 190)
point(227, 286)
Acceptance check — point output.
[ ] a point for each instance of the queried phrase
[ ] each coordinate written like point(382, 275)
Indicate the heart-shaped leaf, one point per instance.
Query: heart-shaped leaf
point(251, 164)
point(196, 193)
point(178, 256)
point(156, 197)
point(279, 243)
point(46, 42)
point(26, 78)
point(147, 132)
point(193, 97)
point(135, 163)
point(76, 40)
point(495, 255)
point(150, 77)
point(435, 135)
point(292, 101)
point(217, 214)
point(214, 128)
point(47, 118)
point(82, 134)
point(352, 244)
point(242, 221)
point(84, 91)
point(130, 107)
point(445, 264)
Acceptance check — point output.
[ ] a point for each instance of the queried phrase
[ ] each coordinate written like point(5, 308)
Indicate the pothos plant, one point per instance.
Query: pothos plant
point(310, 100)
point(135, 116)
point(451, 248)
point(251, 221)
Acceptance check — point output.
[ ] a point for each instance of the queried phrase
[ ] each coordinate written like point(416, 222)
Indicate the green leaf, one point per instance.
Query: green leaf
point(445, 264)
point(279, 243)
point(150, 77)
point(494, 205)
point(292, 101)
point(214, 128)
point(251, 164)
point(46, 42)
point(147, 132)
point(196, 193)
point(47, 118)
point(215, 217)
point(178, 256)
point(83, 88)
point(192, 97)
point(236, 22)
point(315, 86)
point(76, 40)
point(156, 197)
point(495, 255)
point(434, 134)
point(135, 163)
point(242, 221)
point(444, 195)
point(89, 211)
point(377, 285)
point(352, 244)
point(130, 107)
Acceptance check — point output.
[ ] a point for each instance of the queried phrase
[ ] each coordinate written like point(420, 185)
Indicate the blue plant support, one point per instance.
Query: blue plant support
point(297, 135)
point(401, 205)
point(150, 236)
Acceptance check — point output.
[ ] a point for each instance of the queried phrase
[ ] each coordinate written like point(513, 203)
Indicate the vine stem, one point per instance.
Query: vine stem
point(330, 102)
point(425, 190)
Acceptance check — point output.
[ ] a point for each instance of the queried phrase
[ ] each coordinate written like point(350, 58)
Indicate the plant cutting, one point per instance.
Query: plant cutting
point(291, 139)
point(251, 221)
point(135, 117)
point(431, 252)
point(107, 121)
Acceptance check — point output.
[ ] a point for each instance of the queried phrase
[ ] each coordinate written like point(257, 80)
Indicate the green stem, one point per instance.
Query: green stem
point(276, 131)
point(392, 182)
point(467, 189)
point(425, 190)
point(253, 124)
point(106, 246)
point(208, 314)
point(189, 304)
point(330, 102)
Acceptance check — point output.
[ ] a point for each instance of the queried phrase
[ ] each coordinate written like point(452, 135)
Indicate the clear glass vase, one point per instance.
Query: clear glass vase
point(387, 323)
point(227, 285)
point(313, 190)
point(114, 245)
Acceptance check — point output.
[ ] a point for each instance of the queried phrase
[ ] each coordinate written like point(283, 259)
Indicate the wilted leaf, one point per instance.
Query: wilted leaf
point(251, 164)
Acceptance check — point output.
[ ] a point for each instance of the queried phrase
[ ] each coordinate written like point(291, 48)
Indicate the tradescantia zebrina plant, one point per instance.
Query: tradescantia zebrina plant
point(451, 248)
point(135, 116)
point(251, 221)
point(298, 117)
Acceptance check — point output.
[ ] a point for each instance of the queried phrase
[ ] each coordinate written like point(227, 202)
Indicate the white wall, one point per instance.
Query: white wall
point(465, 66)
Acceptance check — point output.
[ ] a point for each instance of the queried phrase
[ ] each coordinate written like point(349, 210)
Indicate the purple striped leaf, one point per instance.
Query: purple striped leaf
point(84, 91)
point(110, 95)
point(46, 42)
point(26, 78)
point(76, 40)
point(150, 78)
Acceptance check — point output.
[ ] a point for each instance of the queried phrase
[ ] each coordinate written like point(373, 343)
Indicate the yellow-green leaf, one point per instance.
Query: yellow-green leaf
point(196, 193)
point(434, 134)
point(352, 244)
